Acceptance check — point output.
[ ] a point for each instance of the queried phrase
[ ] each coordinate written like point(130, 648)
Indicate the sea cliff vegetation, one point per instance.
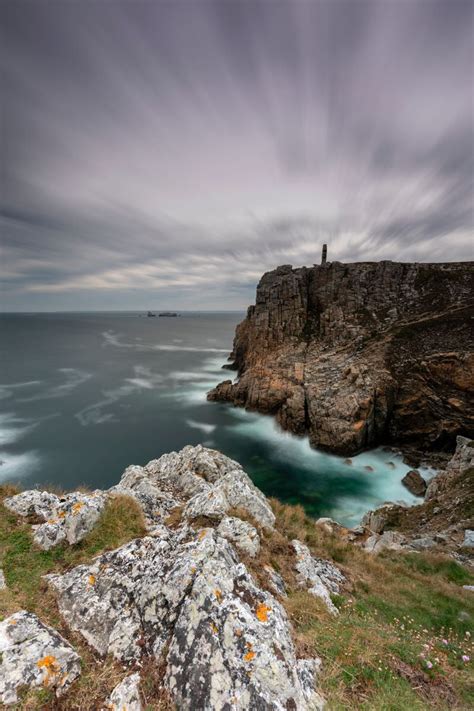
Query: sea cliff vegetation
point(401, 639)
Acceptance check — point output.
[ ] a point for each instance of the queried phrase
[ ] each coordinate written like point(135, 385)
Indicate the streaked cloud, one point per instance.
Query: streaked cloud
point(167, 153)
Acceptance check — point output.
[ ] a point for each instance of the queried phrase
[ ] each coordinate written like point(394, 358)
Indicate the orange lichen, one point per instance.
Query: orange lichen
point(91, 580)
point(238, 633)
point(193, 569)
point(249, 656)
point(77, 507)
point(218, 594)
point(50, 666)
point(47, 661)
point(358, 425)
point(202, 534)
point(262, 612)
point(213, 627)
point(62, 514)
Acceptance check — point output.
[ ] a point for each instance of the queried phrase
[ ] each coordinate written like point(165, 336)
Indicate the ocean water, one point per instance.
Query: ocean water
point(84, 395)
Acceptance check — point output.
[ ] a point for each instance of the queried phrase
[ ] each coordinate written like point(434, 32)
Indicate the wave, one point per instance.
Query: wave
point(113, 339)
point(203, 426)
point(17, 466)
point(73, 379)
point(144, 379)
point(380, 471)
point(7, 391)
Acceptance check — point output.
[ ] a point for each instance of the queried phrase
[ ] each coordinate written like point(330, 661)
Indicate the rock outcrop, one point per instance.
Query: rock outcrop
point(359, 354)
point(320, 577)
point(181, 597)
point(126, 695)
point(62, 519)
point(414, 482)
point(443, 521)
point(33, 655)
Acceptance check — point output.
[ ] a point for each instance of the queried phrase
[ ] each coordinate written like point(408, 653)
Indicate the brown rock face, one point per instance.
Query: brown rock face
point(414, 482)
point(359, 354)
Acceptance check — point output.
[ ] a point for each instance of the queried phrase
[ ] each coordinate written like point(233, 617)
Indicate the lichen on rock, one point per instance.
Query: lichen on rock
point(33, 655)
point(320, 577)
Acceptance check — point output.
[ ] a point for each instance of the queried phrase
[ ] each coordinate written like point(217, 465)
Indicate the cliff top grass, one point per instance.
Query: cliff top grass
point(403, 635)
point(398, 643)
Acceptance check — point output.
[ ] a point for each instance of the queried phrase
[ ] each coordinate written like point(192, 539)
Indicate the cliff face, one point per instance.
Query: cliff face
point(359, 354)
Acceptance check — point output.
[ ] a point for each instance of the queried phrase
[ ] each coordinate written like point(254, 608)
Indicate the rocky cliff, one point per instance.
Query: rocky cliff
point(217, 599)
point(359, 354)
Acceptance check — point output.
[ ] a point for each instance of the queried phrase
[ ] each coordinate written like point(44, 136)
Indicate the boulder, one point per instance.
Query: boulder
point(203, 481)
point(33, 503)
point(390, 540)
point(423, 543)
point(320, 577)
point(241, 534)
point(126, 695)
point(376, 520)
point(33, 655)
point(68, 518)
point(3, 583)
point(414, 482)
point(183, 597)
point(468, 541)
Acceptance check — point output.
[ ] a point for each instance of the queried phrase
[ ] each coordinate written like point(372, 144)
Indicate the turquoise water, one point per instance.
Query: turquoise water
point(82, 396)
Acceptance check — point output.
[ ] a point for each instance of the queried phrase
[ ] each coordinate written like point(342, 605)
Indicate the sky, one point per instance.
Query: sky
point(165, 154)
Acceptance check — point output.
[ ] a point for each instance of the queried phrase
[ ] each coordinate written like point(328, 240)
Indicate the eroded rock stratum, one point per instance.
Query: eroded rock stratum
point(359, 354)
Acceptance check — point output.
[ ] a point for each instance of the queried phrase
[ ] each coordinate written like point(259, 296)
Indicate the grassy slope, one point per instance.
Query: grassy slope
point(399, 615)
point(394, 616)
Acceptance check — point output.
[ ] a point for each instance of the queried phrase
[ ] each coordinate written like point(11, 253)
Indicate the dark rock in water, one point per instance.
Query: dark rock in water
point(414, 482)
point(356, 355)
point(368, 468)
point(445, 519)
point(348, 461)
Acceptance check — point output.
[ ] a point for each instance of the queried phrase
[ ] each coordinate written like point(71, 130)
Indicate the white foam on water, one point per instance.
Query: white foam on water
point(113, 339)
point(203, 426)
point(73, 378)
point(374, 468)
point(144, 379)
point(17, 466)
point(13, 428)
point(7, 391)
point(188, 375)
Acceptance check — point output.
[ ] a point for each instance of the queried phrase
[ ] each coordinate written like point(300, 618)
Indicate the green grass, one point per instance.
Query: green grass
point(398, 615)
point(24, 563)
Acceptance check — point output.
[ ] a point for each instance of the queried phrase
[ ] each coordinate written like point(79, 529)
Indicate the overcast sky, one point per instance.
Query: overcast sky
point(165, 154)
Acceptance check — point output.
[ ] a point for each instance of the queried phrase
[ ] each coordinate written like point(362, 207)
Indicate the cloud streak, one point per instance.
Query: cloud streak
point(167, 153)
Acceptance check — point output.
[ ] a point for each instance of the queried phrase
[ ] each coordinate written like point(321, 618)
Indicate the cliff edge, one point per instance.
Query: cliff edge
point(355, 355)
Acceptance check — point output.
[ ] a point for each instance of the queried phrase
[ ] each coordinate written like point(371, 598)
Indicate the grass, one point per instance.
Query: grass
point(397, 644)
point(24, 564)
point(403, 628)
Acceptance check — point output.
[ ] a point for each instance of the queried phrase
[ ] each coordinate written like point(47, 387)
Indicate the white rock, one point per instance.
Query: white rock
point(33, 502)
point(390, 540)
point(202, 480)
point(32, 654)
point(320, 577)
point(69, 518)
point(228, 643)
point(3, 583)
point(468, 539)
point(241, 534)
point(328, 524)
point(126, 695)
point(154, 501)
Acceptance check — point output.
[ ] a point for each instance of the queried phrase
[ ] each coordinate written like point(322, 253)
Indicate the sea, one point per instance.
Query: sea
point(84, 395)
